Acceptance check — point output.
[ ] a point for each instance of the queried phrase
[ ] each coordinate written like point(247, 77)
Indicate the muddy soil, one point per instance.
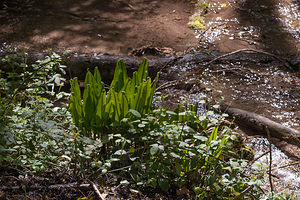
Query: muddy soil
point(113, 27)
point(119, 26)
point(269, 25)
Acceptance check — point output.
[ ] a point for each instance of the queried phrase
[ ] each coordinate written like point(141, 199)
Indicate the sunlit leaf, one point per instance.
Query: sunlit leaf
point(164, 184)
point(154, 149)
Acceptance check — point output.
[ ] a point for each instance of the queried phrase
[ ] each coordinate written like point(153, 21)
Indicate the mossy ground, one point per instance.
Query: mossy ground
point(197, 21)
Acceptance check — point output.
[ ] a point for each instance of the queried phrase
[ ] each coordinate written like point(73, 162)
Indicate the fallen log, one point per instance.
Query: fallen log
point(286, 139)
point(51, 187)
point(79, 63)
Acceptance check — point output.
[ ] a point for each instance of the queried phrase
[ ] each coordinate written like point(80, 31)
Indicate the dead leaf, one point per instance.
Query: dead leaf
point(293, 82)
point(241, 33)
point(193, 2)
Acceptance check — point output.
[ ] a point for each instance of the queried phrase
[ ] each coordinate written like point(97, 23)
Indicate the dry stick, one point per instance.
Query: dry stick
point(52, 187)
point(288, 165)
point(119, 169)
point(253, 197)
point(168, 63)
point(270, 163)
point(166, 85)
point(242, 194)
point(255, 159)
point(254, 50)
point(96, 190)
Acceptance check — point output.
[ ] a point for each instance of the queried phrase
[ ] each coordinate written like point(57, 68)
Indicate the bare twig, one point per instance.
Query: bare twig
point(119, 169)
point(288, 165)
point(166, 85)
point(172, 61)
point(255, 159)
point(242, 194)
point(254, 50)
point(270, 163)
point(253, 197)
point(130, 6)
point(52, 187)
point(96, 190)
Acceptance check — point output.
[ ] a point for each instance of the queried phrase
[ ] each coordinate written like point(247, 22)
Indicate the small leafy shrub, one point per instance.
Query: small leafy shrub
point(99, 108)
point(196, 22)
point(179, 152)
point(166, 152)
point(30, 125)
point(203, 7)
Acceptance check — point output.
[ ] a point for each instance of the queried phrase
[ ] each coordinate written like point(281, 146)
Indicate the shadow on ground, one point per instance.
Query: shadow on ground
point(101, 26)
point(262, 14)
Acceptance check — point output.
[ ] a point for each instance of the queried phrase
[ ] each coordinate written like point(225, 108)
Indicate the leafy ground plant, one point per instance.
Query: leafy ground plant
point(177, 151)
point(25, 111)
point(171, 153)
point(99, 107)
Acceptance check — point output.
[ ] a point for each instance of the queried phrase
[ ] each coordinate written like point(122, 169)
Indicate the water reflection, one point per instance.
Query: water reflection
point(273, 25)
point(289, 175)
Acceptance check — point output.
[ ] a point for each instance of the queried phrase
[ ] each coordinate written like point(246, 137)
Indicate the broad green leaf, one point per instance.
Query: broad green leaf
point(120, 79)
point(200, 137)
point(124, 182)
point(75, 102)
point(154, 149)
point(123, 102)
point(143, 71)
point(163, 184)
point(135, 113)
point(116, 105)
point(174, 155)
point(97, 75)
point(152, 182)
point(101, 118)
point(89, 104)
point(213, 135)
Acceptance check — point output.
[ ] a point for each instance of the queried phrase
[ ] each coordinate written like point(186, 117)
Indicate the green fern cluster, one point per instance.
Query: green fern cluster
point(99, 108)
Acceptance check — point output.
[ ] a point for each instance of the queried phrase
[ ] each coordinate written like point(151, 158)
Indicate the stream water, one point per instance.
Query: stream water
point(271, 25)
point(261, 88)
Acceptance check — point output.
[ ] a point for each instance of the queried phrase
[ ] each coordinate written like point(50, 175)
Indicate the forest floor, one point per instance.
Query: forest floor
point(121, 27)
point(131, 27)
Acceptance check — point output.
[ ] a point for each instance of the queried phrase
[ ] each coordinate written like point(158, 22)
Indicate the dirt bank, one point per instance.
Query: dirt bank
point(113, 27)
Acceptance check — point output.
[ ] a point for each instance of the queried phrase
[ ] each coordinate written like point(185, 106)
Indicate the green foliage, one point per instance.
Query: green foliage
point(203, 7)
point(99, 108)
point(167, 153)
point(30, 125)
point(196, 22)
point(169, 150)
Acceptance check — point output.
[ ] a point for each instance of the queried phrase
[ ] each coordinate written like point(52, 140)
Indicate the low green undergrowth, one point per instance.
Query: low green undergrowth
point(99, 108)
point(118, 131)
point(32, 129)
point(196, 21)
